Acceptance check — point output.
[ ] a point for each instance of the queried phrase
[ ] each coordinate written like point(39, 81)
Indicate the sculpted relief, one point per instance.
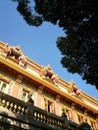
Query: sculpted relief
point(47, 72)
point(14, 52)
point(73, 90)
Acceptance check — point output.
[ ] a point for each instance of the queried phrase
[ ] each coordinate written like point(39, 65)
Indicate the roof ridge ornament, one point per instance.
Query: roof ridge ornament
point(47, 73)
point(16, 53)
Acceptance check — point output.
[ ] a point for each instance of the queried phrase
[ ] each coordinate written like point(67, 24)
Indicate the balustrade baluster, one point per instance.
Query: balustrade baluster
point(22, 110)
point(12, 106)
point(18, 109)
point(25, 111)
point(15, 108)
point(3, 103)
point(47, 120)
point(38, 116)
point(35, 115)
point(61, 124)
point(52, 122)
point(57, 123)
point(8, 105)
point(44, 118)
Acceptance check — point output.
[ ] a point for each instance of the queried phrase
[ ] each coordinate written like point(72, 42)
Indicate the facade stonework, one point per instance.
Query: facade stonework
point(21, 77)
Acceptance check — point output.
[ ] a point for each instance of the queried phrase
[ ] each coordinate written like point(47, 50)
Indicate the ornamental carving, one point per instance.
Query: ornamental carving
point(4, 78)
point(47, 72)
point(73, 90)
point(16, 53)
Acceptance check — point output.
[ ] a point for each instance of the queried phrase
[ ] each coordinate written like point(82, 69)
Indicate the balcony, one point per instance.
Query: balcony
point(16, 114)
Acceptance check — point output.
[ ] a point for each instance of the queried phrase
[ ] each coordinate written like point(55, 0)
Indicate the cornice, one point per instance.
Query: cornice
point(45, 83)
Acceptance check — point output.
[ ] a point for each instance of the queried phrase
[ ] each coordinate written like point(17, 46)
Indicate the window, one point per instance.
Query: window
point(49, 106)
point(4, 86)
point(25, 95)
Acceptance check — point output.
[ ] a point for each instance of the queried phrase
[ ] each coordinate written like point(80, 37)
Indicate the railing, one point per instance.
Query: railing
point(13, 104)
point(40, 116)
point(48, 118)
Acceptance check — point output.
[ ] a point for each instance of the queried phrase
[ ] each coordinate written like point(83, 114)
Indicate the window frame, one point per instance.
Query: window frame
point(4, 89)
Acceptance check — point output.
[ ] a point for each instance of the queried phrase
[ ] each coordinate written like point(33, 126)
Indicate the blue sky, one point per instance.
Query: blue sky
point(38, 43)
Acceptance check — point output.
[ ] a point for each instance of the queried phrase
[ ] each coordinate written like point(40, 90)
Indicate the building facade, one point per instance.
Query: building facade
point(23, 79)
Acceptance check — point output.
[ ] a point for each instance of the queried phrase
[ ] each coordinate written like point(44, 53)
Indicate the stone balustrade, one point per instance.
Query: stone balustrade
point(12, 104)
point(48, 118)
point(34, 115)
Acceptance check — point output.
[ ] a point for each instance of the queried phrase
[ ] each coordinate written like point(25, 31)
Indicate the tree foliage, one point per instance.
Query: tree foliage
point(78, 19)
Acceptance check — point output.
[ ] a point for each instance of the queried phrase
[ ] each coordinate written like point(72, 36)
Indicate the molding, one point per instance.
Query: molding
point(45, 83)
point(40, 89)
point(58, 98)
point(19, 78)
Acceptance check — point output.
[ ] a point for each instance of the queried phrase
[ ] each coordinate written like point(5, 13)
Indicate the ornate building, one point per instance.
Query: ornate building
point(27, 88)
